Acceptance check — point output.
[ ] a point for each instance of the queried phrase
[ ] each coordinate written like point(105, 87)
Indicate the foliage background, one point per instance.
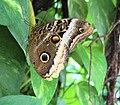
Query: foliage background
point(19, 83)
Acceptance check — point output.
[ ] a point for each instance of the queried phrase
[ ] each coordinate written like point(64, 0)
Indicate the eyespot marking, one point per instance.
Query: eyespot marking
point(44, 57)
point(55, 39)
point(81, 30)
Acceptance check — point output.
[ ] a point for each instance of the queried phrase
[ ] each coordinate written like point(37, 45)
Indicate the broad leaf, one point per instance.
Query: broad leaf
point(20, 100)
point(81, 94)
point(43, 89)
point(70, 95)
point(13, 14)
point(88, 94)
point(99, 65)
point(12, 64)
point(77, 8)
point(101, 12)
point(45, 17)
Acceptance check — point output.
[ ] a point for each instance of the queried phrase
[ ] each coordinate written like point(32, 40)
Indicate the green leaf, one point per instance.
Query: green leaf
point(102, 14)
point(85, 97)
point(75, 55)
point(99, 65)
point(45, 17)
point(114, 2)
point(43, 89)
point(12, 64)
point(13, 14)
point(20, 100)
point(78, 94)
point(70, 96)
point(77, 8)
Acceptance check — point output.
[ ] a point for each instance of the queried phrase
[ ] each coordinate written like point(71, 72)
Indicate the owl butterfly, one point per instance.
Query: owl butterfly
point(51, 44)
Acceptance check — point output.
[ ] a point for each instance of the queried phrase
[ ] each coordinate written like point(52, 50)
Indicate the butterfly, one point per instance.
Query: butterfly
point(50, 45)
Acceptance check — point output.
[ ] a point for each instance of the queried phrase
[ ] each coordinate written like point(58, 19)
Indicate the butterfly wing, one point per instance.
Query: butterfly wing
point(49, 53)
point(49, 45)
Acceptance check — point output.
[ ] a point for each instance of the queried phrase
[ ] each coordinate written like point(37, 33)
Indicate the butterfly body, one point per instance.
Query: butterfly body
point(51, 44)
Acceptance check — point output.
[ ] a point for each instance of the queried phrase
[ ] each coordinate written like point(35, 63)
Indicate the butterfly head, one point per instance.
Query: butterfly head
point(77, 31)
